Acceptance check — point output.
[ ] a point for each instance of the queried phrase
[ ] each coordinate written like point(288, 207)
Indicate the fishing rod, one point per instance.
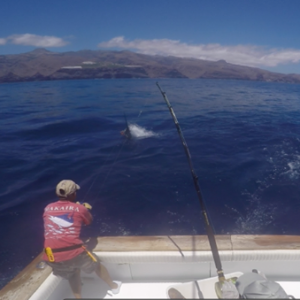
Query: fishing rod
point(209, 229)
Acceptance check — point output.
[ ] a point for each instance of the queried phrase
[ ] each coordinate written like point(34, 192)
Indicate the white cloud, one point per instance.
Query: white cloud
point(28, 39)
point(254, 56)
point(2, 41)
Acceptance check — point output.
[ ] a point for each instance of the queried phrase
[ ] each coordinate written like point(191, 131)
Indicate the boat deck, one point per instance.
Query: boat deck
point(153, 290)
point(149, 266)
point(159, 290)
point(95, 288)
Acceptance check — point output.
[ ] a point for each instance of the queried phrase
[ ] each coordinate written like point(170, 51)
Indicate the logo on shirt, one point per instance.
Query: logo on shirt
point(62, 220)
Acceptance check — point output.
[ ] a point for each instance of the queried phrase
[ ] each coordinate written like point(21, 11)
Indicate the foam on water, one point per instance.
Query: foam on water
point(256, 218)
point(139, 132)
point(294, 168)
point(277, 180)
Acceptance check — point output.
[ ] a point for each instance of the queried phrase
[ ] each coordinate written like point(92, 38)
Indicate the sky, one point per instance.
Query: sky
point(256, 33)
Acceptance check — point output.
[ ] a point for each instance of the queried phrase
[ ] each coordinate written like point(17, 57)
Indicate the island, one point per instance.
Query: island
point(41, 64)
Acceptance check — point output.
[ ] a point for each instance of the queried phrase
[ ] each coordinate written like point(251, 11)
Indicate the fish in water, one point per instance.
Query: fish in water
point(126, 132)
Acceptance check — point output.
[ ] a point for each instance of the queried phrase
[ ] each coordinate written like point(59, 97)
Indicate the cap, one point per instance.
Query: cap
point(66, 188)
point(253, 285)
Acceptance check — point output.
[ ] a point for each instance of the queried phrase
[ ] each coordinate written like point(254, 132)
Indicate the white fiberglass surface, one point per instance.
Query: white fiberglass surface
point(94, 288)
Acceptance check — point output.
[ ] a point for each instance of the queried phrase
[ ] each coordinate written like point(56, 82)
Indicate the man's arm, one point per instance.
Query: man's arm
point(86, 215)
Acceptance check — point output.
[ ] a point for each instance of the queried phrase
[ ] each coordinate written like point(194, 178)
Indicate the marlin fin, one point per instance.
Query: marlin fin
point(126, 132)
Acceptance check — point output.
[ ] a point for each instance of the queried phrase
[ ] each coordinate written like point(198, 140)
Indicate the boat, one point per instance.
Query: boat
point(150, 266)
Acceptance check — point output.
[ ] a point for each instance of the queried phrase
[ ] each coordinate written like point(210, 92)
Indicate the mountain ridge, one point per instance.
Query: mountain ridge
point(41, 64)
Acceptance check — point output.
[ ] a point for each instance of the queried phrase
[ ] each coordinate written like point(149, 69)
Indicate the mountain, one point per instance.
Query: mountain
point(41, 64)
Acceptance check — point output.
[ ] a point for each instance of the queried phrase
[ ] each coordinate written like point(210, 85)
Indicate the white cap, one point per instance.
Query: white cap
point(66, 187)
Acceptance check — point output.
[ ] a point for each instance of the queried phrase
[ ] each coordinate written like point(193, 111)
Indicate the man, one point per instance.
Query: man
point(64, 250)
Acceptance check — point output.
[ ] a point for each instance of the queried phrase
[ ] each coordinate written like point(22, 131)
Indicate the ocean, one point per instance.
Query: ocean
point(243, 138)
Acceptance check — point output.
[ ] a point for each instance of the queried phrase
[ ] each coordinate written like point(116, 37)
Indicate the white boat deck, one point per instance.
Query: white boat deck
point(149, 266)
point(155, 290)
point(94, 288)
point(159, 291)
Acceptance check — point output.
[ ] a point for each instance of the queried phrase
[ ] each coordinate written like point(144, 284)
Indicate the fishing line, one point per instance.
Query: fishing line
point(109, 171)
point(139, 114)
point(99, 172)
point(101, 186)
point(141, 111)
point(117, 156)
point(103, 165)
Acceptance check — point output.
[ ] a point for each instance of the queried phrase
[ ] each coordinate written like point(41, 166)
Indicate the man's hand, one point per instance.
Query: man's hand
point(85, 204)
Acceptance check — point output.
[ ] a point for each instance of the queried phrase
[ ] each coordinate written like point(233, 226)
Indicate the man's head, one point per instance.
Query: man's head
point(66, 189)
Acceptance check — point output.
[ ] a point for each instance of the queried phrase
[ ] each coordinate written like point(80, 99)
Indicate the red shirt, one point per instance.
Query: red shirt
point(62, 225)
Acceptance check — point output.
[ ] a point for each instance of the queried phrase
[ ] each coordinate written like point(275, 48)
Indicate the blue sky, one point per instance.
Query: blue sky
point(264, 33)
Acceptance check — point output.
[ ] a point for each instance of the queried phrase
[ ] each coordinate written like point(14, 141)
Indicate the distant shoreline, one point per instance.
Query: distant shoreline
point(43, 65)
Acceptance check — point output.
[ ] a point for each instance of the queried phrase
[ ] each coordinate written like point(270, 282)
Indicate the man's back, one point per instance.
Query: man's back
point(62, 225)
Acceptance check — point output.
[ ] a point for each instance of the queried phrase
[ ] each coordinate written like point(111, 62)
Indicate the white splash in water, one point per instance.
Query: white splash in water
point(294, 168)
point(140, 132)
point(255, 220)
point(257, 217)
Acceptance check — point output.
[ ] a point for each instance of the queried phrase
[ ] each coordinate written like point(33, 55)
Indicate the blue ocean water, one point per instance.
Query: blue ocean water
point(243, 137)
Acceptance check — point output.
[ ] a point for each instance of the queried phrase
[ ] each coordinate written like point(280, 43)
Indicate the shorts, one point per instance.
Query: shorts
point(66, 269)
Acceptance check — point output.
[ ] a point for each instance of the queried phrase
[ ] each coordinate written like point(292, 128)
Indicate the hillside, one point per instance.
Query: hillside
point(41, 64)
